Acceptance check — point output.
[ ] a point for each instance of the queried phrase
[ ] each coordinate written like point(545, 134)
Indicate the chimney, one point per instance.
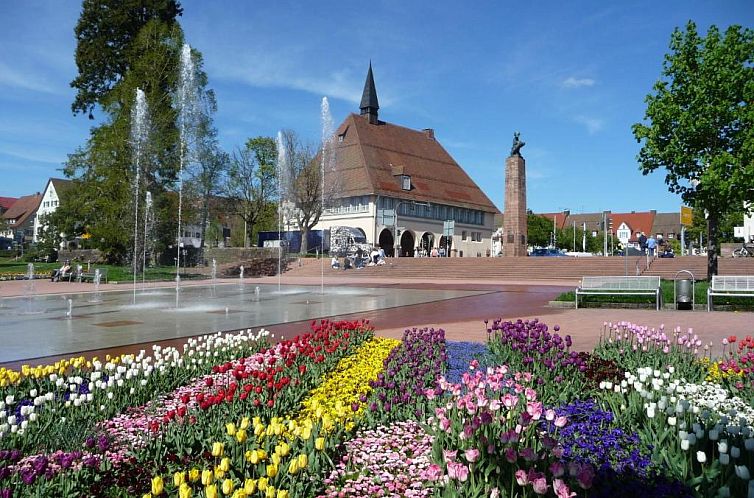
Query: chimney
point(430, 133)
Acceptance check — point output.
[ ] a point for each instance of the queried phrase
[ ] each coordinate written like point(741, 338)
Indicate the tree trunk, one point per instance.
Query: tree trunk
point(205, 216)
point(712, 222)
point(304, 239)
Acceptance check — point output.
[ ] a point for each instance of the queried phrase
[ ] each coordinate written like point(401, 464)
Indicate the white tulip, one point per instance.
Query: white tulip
point(9, 399)
point(89, 396)
point(742, 471)
point(701, 456)
point(671, 421)
point(33, 393)
point(110, 395)
point(24, 424)
point(722, 446)
point(724, 459)
point(132, 391)
point(724, 492)
point(714, 434)
point(685, 444)
point(12, 420)
point(77, 402)
point(33, 417)
point(749, 444)
point(143, 382)
point(13, 428)
point(735, 451)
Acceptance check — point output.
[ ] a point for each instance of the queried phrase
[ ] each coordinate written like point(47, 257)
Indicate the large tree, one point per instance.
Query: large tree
point(105, 51)
point(698, 123)
point(251, 184)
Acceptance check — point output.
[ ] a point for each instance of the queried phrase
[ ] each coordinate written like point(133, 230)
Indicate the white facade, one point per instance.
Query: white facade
point(415, 232)
point(748, 227)
point(50, 202)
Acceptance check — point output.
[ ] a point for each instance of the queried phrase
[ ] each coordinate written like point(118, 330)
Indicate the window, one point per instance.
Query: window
point(406, 182)
point(12, 222)
point(671, 235)
point(463, 235)
point(594, 233)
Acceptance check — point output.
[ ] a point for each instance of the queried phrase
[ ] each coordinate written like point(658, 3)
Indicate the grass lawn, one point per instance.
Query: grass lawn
point(11, 269)
point(700, 291)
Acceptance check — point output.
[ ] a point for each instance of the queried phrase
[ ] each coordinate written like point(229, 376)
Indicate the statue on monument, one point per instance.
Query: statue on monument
point(517, 144)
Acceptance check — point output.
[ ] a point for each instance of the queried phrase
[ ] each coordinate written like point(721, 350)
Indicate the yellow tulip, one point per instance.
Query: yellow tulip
point(293, 467)
point(258, 429)
point(184, 491)
point(252, 457)
point(211, 491)
point(157, 486)
point(225, 464)
point(262, 483)
point(272, 470)
point(219, 473)
point(241, 435)
point(269, 492)
point(250, 485)
point(306, 433)
point(275, 459)
point(240, 493)
point(303, 460)
point(148, 495)
point(262, 455)
point(282, 493)
point(194, 475)
point(319, 443)
point(179, 478)
point(230, 427)
point(228, 486)
point(218, 449)
point(283, 449)
point(245, 423)
point(207, 477)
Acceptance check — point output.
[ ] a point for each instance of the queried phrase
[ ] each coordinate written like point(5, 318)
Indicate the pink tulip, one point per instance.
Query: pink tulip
point(540, 485)
point(522, 478)
point(472, 455)
point(561, 489)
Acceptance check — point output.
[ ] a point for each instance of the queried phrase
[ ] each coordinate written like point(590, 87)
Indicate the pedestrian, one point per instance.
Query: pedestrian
point(642, 242)
point(651, 245)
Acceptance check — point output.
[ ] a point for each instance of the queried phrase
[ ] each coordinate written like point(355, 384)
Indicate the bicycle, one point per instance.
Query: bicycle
point(745, 251)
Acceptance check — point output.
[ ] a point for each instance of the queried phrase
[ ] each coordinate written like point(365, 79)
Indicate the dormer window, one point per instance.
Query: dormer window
point(405, 182)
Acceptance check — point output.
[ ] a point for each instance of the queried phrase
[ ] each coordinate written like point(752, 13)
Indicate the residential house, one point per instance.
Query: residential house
point(50, 202)
point(20, 218)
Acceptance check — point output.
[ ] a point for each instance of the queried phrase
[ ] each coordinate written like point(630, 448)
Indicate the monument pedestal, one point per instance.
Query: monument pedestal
point(515, 218)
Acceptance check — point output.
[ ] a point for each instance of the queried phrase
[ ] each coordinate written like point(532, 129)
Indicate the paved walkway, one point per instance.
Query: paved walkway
point(462, 318)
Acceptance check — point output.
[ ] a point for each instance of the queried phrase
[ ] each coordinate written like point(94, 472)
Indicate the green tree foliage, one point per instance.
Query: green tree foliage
point(251, 185)
point(698, 123)
point(105, 51)
point(539, 230)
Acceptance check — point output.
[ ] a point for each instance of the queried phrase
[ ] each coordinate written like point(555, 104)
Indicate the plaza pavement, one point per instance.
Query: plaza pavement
point(461, 318)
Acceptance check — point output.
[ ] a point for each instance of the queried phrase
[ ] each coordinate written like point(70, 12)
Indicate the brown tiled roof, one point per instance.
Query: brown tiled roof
point(7, 202)
point(369, 156)
point(593, 221)
point(61, 184)
point(23, 208)
point(560, 220)
point(637, 222)
point(667, 223)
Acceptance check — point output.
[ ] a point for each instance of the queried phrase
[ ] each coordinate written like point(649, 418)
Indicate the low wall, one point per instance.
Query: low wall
point(82, 255)
point(224, 255)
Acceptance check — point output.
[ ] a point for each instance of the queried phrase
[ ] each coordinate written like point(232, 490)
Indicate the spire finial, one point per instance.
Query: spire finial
point(369, 104)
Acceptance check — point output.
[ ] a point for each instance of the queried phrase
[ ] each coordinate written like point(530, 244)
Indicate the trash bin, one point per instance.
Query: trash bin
point(684, 294)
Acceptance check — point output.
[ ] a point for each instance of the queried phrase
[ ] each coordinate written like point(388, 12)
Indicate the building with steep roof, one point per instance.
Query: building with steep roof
point(49, 203)
point(400, 187)
point(20, 218)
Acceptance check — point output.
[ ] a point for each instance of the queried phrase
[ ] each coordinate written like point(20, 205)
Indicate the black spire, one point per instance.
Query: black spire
point(369, 104)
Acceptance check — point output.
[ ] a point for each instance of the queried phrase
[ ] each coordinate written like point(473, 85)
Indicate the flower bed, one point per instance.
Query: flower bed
point(338, 412)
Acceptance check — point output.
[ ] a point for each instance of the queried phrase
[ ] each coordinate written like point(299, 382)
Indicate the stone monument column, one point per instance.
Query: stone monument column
point(515, 231)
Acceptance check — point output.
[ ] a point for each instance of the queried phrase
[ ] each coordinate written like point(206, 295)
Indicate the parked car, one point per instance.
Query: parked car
point(548, 252)
point(6, 244)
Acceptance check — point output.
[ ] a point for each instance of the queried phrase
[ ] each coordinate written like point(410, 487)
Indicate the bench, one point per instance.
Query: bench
point(640, 285)
point(79, 275)
point(729, 285)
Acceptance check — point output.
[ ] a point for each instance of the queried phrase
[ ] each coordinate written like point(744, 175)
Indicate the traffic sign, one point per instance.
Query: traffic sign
point(687, 216)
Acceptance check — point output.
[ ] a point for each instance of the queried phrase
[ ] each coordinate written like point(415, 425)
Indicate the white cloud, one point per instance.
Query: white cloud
point(10, 77)
point(572, 82)
point(593, 125)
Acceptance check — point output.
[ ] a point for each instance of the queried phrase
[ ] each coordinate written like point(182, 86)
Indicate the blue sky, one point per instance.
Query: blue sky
point(570, 76)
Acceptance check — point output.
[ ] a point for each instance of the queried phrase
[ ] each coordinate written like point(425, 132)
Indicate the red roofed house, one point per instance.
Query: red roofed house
point(384, 168)
point(20, 218)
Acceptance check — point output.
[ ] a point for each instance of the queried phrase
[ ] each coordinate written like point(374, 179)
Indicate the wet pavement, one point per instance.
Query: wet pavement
point(392, 305)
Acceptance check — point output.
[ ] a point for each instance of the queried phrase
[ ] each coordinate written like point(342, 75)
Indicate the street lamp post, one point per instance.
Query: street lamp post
point(396, 243)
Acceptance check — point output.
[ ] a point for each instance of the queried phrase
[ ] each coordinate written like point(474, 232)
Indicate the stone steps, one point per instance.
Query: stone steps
point(522, 268)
